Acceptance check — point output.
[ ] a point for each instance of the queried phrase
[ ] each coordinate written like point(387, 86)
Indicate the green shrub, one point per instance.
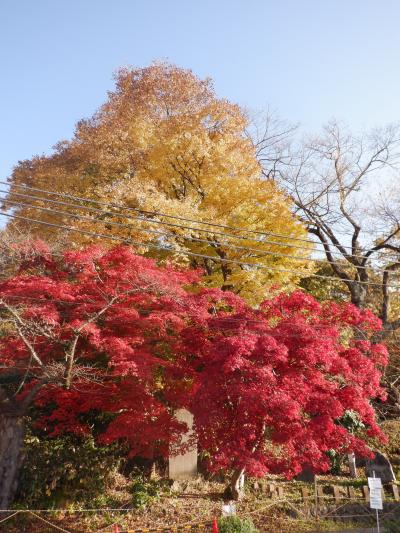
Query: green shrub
point(62, 470)
point(337, 460)
point(145, 491)
point(234, 524)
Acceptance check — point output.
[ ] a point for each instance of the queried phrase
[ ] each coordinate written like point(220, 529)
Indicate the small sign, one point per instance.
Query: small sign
point(375, 499)
point(375, 493)
point(229, 509)
point(374, 483)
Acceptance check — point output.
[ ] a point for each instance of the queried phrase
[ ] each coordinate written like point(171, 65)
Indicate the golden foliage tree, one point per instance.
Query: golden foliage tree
point(164, 143)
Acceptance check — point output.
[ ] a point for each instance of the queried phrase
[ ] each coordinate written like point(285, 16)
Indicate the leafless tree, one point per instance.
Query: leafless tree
point(272, 138)
point(344, 189)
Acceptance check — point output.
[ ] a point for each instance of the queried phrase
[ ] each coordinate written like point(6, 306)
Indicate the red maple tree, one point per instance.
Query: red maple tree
point(111, 332)
point(274, 384)
point(89, 331)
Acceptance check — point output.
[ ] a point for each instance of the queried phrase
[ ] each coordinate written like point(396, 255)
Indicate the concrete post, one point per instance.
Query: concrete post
point(352, 465)
point(184, 466)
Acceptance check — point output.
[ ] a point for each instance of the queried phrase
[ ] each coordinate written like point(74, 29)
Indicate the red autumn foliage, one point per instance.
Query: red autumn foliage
point(267, 386)
point(274, 384)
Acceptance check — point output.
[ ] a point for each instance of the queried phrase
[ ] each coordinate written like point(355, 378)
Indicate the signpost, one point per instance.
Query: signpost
point(375, 496)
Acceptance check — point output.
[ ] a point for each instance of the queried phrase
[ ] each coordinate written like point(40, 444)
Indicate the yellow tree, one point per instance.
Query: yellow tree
point(163, 142)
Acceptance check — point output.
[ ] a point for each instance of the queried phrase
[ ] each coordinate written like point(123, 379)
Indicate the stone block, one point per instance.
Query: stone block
point(382, 468)
point(184, 466)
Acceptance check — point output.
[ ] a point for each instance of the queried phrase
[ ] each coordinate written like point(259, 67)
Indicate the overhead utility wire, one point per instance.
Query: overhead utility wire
point(160, 222)
point(157, 213)
point(184, 252)
point(152, 221)
point(138, 210)
point(259, 252)
point(176, 217)
point(148, 230)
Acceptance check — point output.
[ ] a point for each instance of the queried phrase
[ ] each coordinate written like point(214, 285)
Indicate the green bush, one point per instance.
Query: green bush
point(337, 460)
point(145, 491)
point(234, 524)
point(62, 470)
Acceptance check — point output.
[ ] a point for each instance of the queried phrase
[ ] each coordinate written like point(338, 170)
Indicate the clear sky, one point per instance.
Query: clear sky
point(308, 59)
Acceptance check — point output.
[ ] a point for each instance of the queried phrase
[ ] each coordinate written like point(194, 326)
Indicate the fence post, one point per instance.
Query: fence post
point(316, 501)
point(352, 493)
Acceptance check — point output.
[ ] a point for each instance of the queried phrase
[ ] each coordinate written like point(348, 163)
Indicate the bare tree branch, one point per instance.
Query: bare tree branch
point(333, 187)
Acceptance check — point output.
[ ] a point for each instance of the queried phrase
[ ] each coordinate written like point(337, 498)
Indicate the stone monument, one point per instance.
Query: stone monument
point(184, 466)
point(382, 468)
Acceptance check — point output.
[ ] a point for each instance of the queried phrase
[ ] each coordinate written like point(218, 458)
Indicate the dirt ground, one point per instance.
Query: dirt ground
point(187, 505)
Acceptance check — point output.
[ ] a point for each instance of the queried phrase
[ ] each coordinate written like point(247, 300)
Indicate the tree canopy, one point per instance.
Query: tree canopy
point(163, 142)
point(110, 332)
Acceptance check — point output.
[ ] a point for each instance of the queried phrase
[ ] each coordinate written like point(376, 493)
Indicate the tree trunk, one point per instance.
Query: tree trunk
point(358, 295)
point(234, 491)
point(12, 432)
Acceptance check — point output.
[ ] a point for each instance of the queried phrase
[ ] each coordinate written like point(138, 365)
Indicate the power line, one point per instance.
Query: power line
point(156, 232)
point(147, 244)
point(141, 219)
point(185, 252)
point(260, 252)
point(159, 222)
point(165, 215)
point(156, 213)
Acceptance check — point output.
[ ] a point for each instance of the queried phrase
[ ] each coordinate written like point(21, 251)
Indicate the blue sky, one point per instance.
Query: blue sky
point(308, 59)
